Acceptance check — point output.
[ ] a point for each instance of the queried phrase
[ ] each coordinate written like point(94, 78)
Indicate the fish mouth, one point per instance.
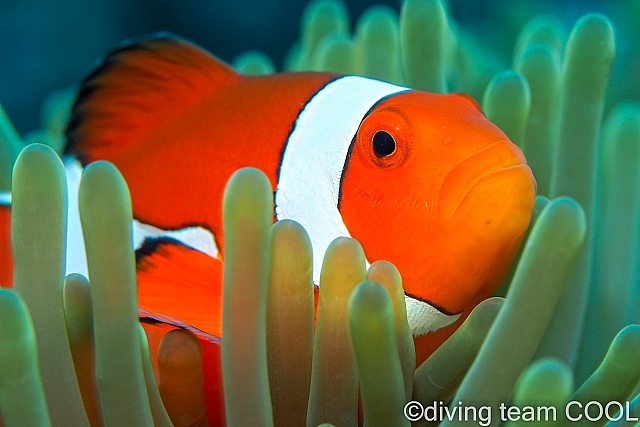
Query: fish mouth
point(424, 317)
point(497, 157)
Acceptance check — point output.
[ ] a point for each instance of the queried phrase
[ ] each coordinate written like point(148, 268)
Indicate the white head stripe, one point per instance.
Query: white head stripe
point(313, 161)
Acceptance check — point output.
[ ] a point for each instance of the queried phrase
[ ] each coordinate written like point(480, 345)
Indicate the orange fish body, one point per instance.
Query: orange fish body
point(424, 181)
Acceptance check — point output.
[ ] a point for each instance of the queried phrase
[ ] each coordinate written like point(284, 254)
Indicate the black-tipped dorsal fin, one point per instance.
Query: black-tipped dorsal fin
point(137, 86)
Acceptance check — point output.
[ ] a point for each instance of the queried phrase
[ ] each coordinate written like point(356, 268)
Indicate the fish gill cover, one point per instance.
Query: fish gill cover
point(73, 354)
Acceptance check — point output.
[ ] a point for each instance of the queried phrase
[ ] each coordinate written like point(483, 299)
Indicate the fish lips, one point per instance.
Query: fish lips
point(460, 183)
point(484, 208)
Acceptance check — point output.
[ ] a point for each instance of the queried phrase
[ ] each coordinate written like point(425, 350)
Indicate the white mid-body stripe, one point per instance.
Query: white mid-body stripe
point(5, 198)
point(76, 257)
point(424, 318)
point(195, 237)
point(313, 161)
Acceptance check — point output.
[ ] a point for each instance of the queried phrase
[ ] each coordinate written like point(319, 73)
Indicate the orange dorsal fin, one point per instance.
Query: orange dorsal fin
point(135, 88)
point(6, 254)
point(180, 286)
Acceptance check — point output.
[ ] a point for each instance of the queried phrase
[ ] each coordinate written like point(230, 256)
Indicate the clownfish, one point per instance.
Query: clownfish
point(421, 180)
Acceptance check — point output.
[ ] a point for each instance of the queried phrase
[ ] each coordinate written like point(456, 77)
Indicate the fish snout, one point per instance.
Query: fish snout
point(458, 183)
point(483, 210)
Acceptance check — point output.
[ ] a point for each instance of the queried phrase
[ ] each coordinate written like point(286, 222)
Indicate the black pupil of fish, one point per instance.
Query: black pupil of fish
point(383, 144)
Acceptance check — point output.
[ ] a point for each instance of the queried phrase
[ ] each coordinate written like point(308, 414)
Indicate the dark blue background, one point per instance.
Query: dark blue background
point(49, 44)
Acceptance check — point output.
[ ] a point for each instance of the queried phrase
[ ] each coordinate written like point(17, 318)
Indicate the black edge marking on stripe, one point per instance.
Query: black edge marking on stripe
point(285, 143)
point(353, 142)
point(150, 246)
point(150, 320)
point(182, 226)
point(179, 227)
point(440, 308)
point(346, 163)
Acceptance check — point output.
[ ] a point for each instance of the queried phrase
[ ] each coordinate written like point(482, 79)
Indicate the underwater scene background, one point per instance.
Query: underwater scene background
point(561, 80)
point(65, 38)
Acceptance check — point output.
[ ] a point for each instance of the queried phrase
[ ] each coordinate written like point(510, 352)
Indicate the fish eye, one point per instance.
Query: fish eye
point(383, 144)
point(385, 137)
